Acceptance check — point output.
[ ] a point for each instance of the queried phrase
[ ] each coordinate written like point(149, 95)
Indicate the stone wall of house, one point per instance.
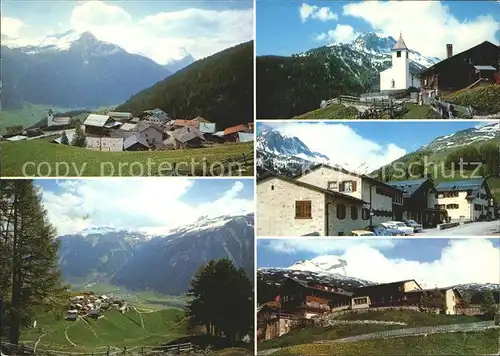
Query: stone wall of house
point(344, 226)
point(276, 209)
point(321, 176)
point(108, 144)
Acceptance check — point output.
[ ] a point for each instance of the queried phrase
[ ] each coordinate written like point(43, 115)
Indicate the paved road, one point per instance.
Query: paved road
point(480, 228)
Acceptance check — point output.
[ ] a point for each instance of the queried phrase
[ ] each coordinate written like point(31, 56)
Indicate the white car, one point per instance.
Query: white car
point(362, 233)
point(399, 225)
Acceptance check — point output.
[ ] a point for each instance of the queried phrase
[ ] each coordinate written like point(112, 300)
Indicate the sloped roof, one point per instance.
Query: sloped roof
point(400, 44)
point(186, 134)
point(180, 122)
point(201, 120)
point(96, 120)
point(235, 129)
point(409, 187)
point(121, 115)
point(70, 134)
point(128, 126)
point(144, 125)
point(460, 185)
point(135, 138)
point(60, 121)
point(328, 192)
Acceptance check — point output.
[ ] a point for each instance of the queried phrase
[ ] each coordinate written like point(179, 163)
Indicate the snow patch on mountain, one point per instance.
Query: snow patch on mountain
point(464, 137)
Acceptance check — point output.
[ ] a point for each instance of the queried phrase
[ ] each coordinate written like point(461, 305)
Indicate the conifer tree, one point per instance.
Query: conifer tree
point(79, 139)
point(64, 138)
point(30, 279)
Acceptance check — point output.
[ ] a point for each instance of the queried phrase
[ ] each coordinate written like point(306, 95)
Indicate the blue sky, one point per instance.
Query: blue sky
point(430, 261)
point(371, 144)
point(152, 205)
point(426, 25)
point(161, 30)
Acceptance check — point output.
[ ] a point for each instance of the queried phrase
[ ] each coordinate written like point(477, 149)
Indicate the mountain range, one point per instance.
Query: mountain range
point(76, 70)
point(330, 270)
point(294, 85)
point(286, 155)
point(164, 263)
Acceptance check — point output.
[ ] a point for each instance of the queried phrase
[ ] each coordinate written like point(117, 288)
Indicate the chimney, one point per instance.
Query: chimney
point(449, 50)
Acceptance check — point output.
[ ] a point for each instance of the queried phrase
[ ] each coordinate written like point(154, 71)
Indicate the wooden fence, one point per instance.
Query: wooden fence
point(177, 349)
point(450, 111)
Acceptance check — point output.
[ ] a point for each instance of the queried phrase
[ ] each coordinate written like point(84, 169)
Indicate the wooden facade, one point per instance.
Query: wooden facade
point(387, 294)
point(458, 71)
point(312, 299)
point(416, 206)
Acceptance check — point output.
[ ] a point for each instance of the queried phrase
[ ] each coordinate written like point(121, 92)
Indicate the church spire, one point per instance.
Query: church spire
point(400, 45)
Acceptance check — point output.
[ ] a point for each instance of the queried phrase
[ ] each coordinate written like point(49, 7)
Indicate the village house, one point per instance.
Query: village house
point(157, 116)
point(185, 137)
point(120, 116)
point(464, 200)
point(308, 300)
point(451, 297)
point(418, 202)
point(96, 124)
point(107, 144)
point(128, 126)
point(324, 201)
point(72, 315)
point(387, 294)
point(135, 142)
point(477, 64)
point(231, 133)
point(153, 133)
point(399, 76)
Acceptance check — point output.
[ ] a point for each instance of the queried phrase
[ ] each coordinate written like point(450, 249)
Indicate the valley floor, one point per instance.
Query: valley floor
point(43, 158)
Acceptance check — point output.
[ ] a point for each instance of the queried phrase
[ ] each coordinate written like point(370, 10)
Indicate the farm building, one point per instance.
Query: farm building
point(245, 136)
point(231, 133)
point(110, 144)
point(16, 138)
point(136, 142)
point(156, 115)
point(152, 132)
point(479, 63)
point(128, 126)
point(184, 123)
point(183, 138)
point(97, 124)
point(207, 128)
point(120, 116)
point(72, 314)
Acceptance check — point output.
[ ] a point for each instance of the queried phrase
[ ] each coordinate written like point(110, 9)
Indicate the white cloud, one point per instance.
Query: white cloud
point(134, 204)
point(462, 261)
point(427, 26)
point(323, 246)
point(341, 34)
point(314, 12)
point(164, 36)
point(343, 145)
point(11, 27)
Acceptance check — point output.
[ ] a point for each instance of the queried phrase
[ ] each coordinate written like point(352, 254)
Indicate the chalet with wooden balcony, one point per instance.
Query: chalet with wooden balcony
point(311, 299)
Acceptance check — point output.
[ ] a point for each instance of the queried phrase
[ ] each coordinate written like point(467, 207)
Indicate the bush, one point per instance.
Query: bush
point(485, 100)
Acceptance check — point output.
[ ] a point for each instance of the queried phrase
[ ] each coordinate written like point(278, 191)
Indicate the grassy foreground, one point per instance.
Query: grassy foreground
point(49, 159)
point(460, 343)
point(115, 330)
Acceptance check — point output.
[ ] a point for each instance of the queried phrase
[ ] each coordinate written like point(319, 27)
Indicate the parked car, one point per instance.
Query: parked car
point(399, 225)
point(415, 225)
point(381, 230)
point(362, 233)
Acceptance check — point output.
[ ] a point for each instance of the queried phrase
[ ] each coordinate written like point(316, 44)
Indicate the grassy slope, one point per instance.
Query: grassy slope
point(27, 116)
point(340, 112)
point(15, 154)
point(472, 343)
point(485, 99)
point(114, 329)
point(411, 318)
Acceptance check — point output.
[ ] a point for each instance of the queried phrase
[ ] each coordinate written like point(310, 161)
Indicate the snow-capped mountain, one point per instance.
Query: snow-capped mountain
point(366, 56)
point(74, 70)
point(284, 155)
point(464, 137)
point(138, 260)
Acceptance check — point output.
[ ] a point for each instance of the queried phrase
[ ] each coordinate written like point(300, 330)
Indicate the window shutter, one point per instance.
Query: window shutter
point(354, 185)
point(297, 209)
point(341, 186)
point(307, 209)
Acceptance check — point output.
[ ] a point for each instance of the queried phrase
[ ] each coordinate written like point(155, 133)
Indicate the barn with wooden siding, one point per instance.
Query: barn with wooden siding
point(459, 71)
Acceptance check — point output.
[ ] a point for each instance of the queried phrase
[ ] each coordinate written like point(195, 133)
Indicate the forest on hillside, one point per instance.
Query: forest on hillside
point(218, 88)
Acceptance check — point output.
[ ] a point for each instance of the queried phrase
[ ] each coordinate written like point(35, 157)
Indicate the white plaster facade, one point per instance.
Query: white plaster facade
point(410, 286)
point(398, 76)
point(450, 301)
point(325, 177)
point(360, 302)
point(460, 208)
point(276, 204)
